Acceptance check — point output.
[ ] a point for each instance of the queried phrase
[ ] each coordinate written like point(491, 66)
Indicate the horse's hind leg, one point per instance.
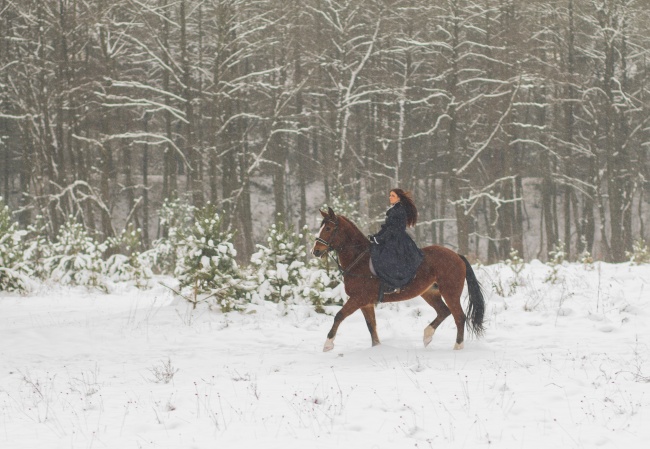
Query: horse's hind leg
point(453, 302)
point(348, 309)
point(434, 299)
point(369, 315)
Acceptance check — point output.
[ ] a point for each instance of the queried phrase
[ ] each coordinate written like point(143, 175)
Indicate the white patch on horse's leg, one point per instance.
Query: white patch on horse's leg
point(329, 345)
point(428, 335)
point(458, 346)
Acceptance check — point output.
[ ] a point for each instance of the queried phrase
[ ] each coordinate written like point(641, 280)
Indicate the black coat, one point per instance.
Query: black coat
point(395, 256)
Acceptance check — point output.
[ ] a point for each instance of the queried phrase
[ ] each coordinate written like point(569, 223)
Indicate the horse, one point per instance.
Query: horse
point(441, 275)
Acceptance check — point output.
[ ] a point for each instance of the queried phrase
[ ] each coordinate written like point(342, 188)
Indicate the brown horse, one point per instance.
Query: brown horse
point(442, 274)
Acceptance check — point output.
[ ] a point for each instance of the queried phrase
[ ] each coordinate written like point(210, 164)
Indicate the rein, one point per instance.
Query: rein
point(346, 272)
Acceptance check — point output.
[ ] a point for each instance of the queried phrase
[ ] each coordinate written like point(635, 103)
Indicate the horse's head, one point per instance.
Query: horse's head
point(326, 238)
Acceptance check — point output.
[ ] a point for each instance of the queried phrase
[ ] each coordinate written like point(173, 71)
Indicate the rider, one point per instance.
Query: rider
point(394, 256)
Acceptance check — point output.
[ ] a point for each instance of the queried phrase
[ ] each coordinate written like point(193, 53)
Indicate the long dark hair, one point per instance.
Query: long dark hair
point(409, 205)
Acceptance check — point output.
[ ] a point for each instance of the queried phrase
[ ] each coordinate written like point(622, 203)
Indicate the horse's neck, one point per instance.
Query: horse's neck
point(355, 245)
point(351, 252)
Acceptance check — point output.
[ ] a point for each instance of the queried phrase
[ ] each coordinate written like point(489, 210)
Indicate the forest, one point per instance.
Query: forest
point(486, 110)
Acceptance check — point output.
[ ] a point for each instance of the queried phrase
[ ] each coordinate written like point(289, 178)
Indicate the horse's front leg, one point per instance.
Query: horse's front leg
point(371, 322)
point(348, 309)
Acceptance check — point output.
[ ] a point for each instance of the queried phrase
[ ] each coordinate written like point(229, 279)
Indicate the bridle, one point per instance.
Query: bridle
point(330, 247)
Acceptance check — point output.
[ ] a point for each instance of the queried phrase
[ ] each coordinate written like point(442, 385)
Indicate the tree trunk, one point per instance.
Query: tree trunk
point(145, 184)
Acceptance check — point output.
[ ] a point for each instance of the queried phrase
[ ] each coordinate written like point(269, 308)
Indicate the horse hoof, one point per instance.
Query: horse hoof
point(428, 335)
point(459, 346)
point(329, 345)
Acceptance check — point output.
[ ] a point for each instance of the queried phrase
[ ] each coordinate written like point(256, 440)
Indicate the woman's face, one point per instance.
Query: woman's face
point(393, 198)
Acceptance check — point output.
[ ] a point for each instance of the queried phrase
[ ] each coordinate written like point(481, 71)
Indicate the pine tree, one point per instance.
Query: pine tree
point(322, 287)
point(14, 272)
point(76, 257)
point(282, 275)
point(125, 261)
point(278, 265)
point(208, 270)
point(175, 220)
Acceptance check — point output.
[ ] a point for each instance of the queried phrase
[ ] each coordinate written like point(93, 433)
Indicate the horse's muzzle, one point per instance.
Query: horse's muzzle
point(318, 252)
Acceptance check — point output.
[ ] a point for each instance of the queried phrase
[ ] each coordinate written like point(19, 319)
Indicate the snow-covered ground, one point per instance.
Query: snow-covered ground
point(565, 363)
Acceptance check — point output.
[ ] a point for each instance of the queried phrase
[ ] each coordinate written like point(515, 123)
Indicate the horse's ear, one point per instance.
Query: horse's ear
point(324, 214)
point(331, 213)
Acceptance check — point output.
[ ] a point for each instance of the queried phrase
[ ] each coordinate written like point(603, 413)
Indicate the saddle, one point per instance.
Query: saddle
point(384, 287)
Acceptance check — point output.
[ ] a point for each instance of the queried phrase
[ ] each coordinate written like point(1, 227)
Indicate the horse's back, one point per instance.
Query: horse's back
point(442, 254)
point(444, 264)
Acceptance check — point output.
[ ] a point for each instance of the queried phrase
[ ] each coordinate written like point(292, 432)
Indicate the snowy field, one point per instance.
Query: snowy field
point(565, 363)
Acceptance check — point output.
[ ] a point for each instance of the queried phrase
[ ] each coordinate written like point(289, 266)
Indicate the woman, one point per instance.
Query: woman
point(394, 256)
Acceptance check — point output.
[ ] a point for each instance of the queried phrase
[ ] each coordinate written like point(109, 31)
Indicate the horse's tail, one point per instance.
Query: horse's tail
point(476, 308)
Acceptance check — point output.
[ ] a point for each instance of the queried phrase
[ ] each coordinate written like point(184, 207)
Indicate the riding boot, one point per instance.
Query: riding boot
point(381, 293)
point(386, 289)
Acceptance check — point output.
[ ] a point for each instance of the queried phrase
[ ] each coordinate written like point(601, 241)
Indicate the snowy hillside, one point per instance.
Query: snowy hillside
point(564, 363)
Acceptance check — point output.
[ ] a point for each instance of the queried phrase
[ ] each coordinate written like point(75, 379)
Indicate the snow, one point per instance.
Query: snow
point(564, 363)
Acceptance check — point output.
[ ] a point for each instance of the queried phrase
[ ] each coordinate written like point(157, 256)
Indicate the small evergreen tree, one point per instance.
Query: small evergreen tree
point(176, 218)
point(37, 248)
point(282, 275)
point(14, 272)
point(75, 257)
point(125, 262)
point(322, 287)
point(556, 259)
point(278, 265)
point(640, 253)
point(208, 270)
